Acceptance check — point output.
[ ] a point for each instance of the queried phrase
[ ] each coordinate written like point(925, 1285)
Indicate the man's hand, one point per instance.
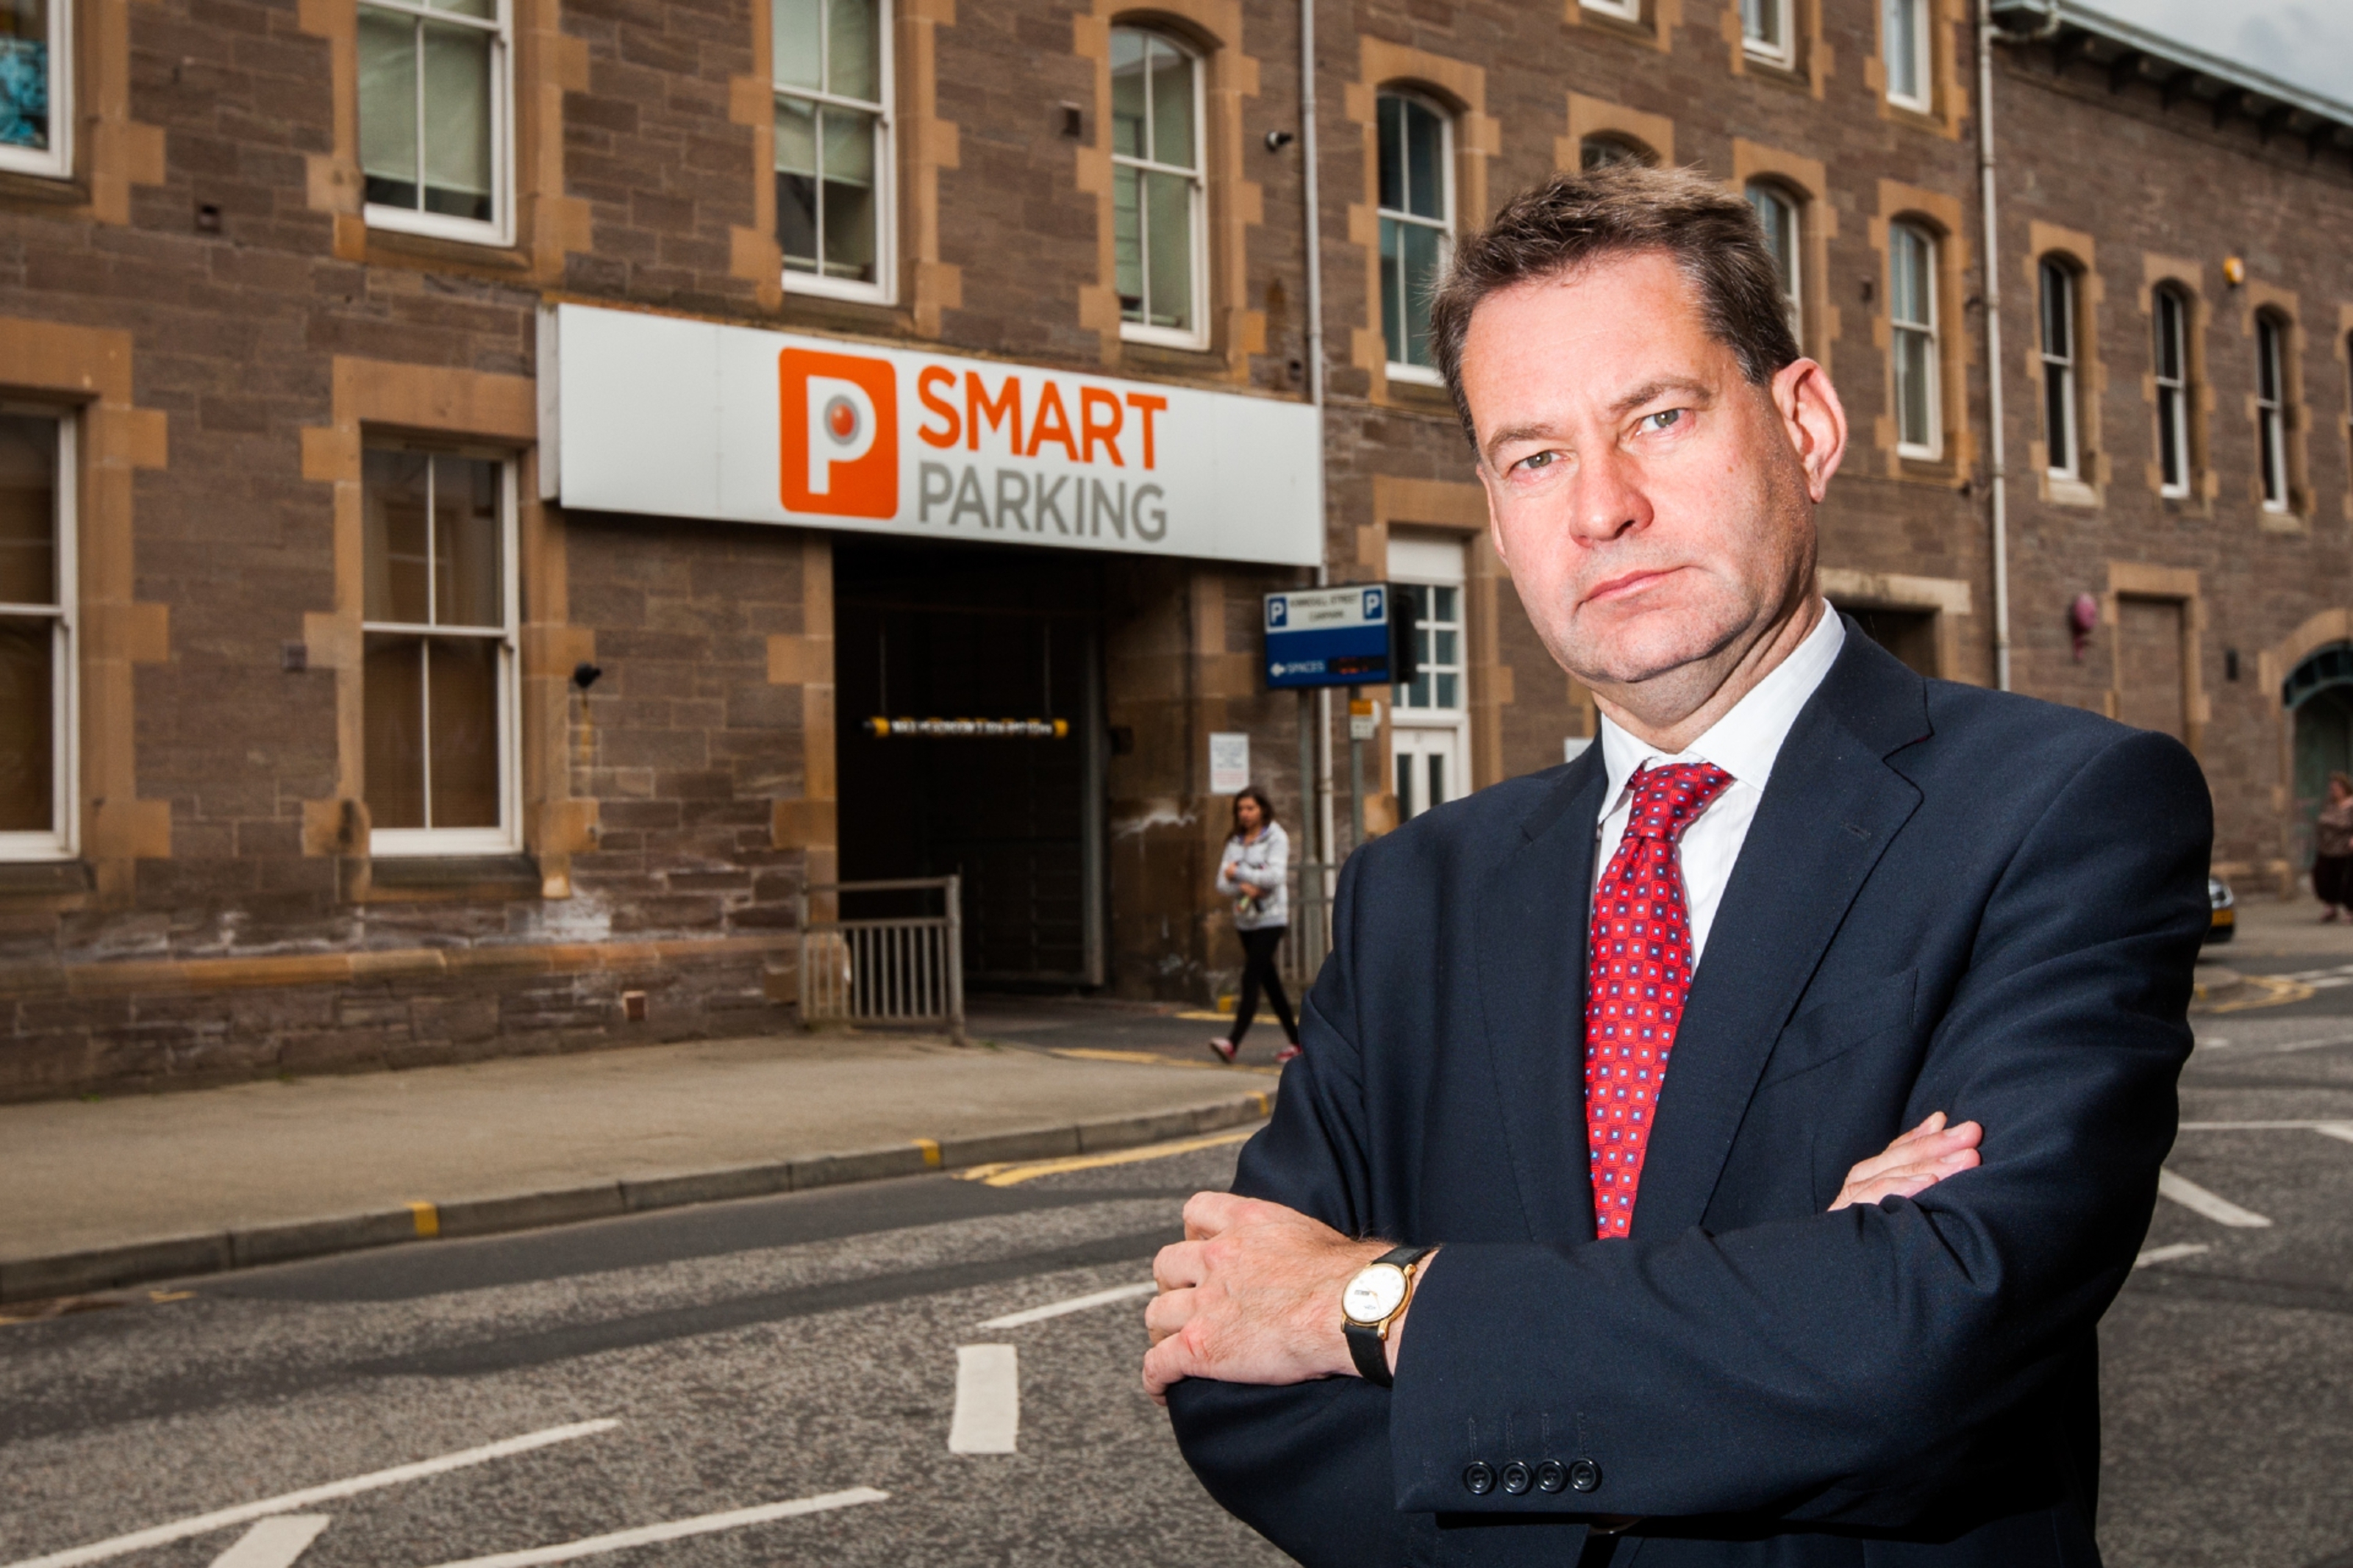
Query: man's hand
point(1915, 1162)
point(1250, 1295)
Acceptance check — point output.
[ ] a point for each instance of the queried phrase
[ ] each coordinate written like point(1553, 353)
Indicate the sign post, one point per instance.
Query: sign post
point(1359, 636)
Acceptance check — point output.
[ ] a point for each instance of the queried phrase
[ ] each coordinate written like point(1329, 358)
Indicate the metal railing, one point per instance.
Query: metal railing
point(895, 969)
point(1310, 940)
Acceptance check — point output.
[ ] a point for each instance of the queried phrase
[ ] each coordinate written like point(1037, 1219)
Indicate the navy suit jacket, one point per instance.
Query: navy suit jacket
point(1950, 899)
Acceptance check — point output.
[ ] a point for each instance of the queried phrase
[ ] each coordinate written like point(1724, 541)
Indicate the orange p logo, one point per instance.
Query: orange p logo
point(839, 433)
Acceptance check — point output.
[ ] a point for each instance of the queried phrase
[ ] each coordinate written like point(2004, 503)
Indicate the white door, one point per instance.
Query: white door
point(1429, 716)
point(1429, 766)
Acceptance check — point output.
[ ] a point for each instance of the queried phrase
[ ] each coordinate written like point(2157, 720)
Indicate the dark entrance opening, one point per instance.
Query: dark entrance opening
point(1909, 634)
point(2319, 693)
point(934, 631)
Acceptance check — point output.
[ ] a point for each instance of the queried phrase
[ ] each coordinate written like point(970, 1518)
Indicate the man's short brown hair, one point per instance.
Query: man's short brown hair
point(1572, 220)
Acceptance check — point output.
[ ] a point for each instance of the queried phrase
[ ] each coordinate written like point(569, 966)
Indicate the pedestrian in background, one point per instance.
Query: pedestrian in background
point(1254, 871)
point(2332, 861)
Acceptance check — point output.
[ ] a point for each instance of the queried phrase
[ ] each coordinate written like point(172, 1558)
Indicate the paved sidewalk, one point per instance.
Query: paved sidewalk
point(2285, 929)
point(113, 1191)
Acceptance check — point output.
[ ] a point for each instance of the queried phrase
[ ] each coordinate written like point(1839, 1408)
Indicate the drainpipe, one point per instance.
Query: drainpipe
point(1994, 367)
point(1312, 197)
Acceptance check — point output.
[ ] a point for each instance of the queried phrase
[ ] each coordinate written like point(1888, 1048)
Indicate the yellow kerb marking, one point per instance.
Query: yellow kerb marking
point(428, 1217)
point(1006, 1174)
point(931, 1148)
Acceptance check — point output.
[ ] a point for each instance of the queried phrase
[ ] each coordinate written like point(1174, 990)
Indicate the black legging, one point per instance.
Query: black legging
point(1257, 968)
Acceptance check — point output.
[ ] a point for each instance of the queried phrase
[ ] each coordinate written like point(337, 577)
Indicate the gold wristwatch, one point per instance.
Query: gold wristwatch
point(1374, 1300)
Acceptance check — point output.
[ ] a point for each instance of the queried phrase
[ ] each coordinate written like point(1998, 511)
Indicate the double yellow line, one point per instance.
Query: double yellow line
point(1006, 1173)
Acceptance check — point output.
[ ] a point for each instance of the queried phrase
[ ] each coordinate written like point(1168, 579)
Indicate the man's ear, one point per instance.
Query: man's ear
point(1814, 419)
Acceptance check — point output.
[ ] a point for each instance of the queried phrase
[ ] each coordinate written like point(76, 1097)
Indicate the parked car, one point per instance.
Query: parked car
point(2224, 919)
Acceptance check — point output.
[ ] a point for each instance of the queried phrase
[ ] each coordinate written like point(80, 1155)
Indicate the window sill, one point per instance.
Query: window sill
point(49, 190)
point(808, 286)
point(1134, 336)
point(1168, 359)
point(1633, 28)
point(2271, 521)
point(470, 234)
point(2060, 491)
point(451, 879)
point(399, 246)
point(44, 884)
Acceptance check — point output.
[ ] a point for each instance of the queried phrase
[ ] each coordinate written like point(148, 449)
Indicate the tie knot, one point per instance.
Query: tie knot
point(1668, 799)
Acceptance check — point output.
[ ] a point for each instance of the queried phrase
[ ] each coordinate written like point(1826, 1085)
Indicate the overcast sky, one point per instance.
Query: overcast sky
point(2306, 42)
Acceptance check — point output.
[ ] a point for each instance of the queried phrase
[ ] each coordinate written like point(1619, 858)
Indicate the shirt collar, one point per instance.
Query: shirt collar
point(1746, 740)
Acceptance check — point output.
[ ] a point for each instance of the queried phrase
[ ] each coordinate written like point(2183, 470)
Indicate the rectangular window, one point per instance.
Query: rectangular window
point(1903, 37)
point(832, 77)
point(35, 86)
point(2172, 393)
point(37, 635)
point(2065, 461)
point(435, 147)
point(1157, 194)
point(1417, 215)
point(1765, 30)
point(1437, 684)
point(439, 618)
point(1778, 215)
point(2271, 410)
point(1911, 311)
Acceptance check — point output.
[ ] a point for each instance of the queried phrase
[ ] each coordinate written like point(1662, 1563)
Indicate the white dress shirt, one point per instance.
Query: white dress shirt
point(1744, 743)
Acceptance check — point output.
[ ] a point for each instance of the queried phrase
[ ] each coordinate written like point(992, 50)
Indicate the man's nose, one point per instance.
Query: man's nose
point(1608, 498)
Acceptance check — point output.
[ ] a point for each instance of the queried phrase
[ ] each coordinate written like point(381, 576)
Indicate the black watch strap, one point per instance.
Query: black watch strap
point(1366, 1346)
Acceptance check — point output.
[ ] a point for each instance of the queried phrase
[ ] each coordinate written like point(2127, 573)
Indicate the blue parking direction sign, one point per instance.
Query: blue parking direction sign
point(1331, 636)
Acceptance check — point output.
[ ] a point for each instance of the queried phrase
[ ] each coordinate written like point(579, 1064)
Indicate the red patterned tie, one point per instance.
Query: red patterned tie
point(1638, 972)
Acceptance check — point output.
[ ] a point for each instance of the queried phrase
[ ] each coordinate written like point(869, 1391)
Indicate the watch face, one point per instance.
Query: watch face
point(1378, 1290)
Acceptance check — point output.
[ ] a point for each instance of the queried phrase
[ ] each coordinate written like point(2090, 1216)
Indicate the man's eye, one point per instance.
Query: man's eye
point(1539, 461)
point(1664, 419)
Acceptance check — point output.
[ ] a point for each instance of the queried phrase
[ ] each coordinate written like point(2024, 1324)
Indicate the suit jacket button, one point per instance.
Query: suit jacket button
point(1584, 1475)
point(1551, 1476)
point(1517, 1478)
point(1479, 1480)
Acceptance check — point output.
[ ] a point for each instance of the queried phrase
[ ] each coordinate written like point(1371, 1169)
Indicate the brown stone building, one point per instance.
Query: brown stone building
point(472, 470)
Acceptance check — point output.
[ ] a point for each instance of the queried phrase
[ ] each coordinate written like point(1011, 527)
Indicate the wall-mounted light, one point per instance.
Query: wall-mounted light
point(585, 675)
point(2234, 271)
point(1276, 141)
point(2082, 616)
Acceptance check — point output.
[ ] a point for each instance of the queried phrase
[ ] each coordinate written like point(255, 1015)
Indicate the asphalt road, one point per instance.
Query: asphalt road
point(677, 1368)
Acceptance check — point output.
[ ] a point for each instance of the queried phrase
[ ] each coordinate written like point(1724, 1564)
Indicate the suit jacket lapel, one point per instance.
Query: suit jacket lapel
point(1532, 923)
point(1829, 812)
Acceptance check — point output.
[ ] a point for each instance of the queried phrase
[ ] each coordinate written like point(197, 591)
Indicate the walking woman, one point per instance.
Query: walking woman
point(2332, 867)
point(1254, 873)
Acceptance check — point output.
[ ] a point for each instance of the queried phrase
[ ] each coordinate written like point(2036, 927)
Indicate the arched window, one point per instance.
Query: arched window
point(1417, 215)
point(1156, 189)
point(1904, 48)
point(1912, 315)
point(2171, 357)
point(2061, 434)
point(1778, 213)
point(832, 89)
point(2270, 408)
point(1599, 150)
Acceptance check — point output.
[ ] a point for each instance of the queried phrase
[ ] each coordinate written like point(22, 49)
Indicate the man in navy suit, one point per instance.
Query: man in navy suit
point(1587, 1229)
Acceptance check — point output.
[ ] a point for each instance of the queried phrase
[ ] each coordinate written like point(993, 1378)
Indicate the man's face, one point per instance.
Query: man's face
point(1654, 508)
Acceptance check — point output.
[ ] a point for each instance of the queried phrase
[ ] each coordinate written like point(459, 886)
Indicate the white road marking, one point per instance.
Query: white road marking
point(2218, 1209)
point(1075, 1304)
point(2168, 1254)
point(676, 1529)
point(275, 1542)
point(2293, 1126)
point(988, 1401)
point(2343, 1129)
point(206, 1523)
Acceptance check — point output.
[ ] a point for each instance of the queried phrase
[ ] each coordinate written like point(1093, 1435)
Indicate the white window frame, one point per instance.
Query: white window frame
point(392, 843)
point(1197, 336)
point(1923, 53)
point(1425, 562)
point(2271, 413)
point(1794, 300)
point(884, 289)
point(1783, 12)
point(1932, 366)
point(2174, 421)
point(498, 230)
point(1624, 10)
point(63, 841)
point(2056, 279)
point(54, 161)
point(1428, 375)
